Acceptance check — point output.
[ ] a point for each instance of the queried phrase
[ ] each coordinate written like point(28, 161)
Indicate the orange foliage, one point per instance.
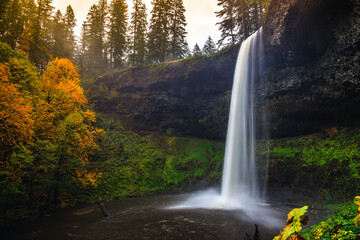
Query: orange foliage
point(68, 108)
point(16, 123)
point(61, 84)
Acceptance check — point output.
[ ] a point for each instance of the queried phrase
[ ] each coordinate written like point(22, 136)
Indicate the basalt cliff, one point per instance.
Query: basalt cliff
point(310, 82)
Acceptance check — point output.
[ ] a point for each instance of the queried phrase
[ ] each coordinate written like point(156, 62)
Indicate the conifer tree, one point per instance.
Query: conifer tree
point(117, 33)
point(13, 19)
point(59, 35)
point(240, 18)
point(177, 30)
point(43, 18)
point(93, 38)
point(70, 23)
point(209, 47)
point(37, 37)
point(158, 39)
point(197, 51)
point(137, 34)
point(13, 24)
point(228, 26)
point(187, 52)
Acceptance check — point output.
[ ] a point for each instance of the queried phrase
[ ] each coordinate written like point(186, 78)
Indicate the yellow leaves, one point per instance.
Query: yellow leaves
point(357, 218)
point(294, 224)
point(16, 123)
point(89, 116)
point(86, 178)
point(61, 85)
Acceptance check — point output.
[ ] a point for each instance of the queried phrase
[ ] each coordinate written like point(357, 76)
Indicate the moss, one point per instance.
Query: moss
point(304, 163)
point(156, 67)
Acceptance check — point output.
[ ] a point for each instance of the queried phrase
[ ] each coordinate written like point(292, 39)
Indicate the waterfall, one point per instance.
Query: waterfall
point(240, 182)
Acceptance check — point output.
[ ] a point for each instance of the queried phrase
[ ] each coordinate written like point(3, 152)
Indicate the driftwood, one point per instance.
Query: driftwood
point(101, 206)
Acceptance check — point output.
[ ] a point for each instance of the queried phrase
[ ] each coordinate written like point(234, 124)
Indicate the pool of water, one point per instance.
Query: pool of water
point(151, 218)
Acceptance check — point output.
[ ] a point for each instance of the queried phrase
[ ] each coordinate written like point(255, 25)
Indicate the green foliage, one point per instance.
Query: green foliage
point(134, 165)
point(310, 159)
point(338, 226)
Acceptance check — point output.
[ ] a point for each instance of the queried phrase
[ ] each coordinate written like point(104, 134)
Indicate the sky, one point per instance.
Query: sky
point(200, 16)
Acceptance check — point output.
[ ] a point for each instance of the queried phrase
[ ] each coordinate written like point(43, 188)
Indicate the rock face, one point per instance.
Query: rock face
point(311, 79)
point(313, 65)
point(188, 97)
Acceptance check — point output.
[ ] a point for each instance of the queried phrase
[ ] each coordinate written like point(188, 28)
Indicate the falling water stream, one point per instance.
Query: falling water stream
point(240, 181)
point(240, 185)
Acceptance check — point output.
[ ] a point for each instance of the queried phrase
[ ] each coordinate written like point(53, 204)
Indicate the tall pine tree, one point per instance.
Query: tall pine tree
point(137, 34)
point(70, 23)
point(14, 16)
point(93, 39)
point(59, 35)
point(228, 26)
point(240, 18)
point(117, 33)
point(37, 37)
point(177, 30)
point(158, 39)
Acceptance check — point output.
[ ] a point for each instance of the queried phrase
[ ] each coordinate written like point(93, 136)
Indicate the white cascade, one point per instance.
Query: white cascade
point(240, 185)
point(240, 182)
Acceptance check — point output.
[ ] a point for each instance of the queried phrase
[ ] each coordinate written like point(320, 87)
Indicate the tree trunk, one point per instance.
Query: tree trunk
point(244, 20)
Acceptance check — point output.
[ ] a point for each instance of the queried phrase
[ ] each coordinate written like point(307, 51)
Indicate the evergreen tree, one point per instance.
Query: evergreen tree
point(158, 39)
point(13, 19)
point(93, 39)
point(177, 30)
point(70, 23)
point(43, 18)
point(37, 37)
point(138, 31)
point(187, 52)
point(209, 47)
point(12, 22)
point(197, 51)
point(228, 26)
point(240, 18)
point(103, 11)
point(117, 33)
point(59, 36)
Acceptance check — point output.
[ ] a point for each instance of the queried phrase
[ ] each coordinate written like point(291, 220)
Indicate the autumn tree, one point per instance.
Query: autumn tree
point(74, 135)
point(137, 34)
point(117, 33)
point(46, 132)
point(16, 123)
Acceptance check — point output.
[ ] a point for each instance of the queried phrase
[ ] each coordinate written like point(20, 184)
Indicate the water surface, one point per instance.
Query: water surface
point(150, 218)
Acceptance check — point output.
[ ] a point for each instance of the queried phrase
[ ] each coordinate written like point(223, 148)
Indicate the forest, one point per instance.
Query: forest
point(126, 110)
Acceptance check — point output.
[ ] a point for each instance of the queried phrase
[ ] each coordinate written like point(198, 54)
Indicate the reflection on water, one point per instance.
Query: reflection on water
point(151, 218)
